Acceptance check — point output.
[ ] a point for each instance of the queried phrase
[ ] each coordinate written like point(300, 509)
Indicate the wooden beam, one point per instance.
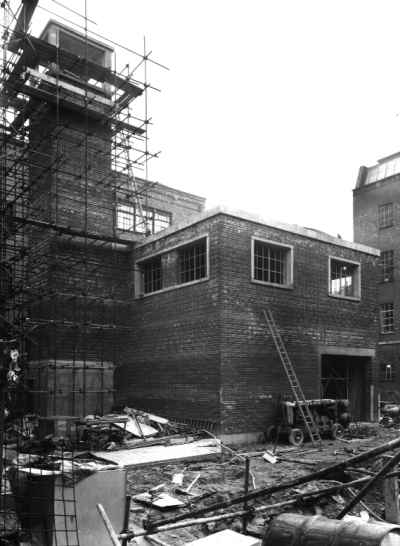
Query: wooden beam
point(391, 496)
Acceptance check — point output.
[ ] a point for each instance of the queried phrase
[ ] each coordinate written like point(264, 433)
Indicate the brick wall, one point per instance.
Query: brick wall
point(366, 201)
point(201, 351)
point(172, 361)
point(252, 376)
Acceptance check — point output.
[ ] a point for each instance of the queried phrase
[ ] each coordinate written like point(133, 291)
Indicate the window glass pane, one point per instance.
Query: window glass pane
point(125, 217)
point(385, 215)
point(152, 275)
point(343, 281)
point(387, 265)
point(145, 220)
point(270, 263)
point(161, 221)
point(193, 262)
point(387, 318)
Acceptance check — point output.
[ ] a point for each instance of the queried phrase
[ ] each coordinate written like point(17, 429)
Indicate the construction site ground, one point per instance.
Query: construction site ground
point(225, 478)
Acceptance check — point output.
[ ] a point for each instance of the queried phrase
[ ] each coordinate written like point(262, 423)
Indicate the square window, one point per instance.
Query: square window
point(272, 263)
point(344, 279)
point(387, 265)
point(385, 215)
point(152, 275)
point(386, 318)
point(193, 261)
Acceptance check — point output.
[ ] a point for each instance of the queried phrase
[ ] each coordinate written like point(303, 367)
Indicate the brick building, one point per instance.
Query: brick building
point(129, 292)
point(200, 347)
point(377, 223)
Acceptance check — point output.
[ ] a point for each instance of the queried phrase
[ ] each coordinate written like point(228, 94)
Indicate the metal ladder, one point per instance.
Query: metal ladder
point(294, 383)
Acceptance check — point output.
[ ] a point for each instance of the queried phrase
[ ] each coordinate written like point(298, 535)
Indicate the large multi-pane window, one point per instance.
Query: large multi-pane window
point(272, 263)
point(387, 265)
point(146, 220)
point(152, 275)
point(344, 279)
point(125, 217)
point(386, 318)
point(193, 261)
point(385, 215)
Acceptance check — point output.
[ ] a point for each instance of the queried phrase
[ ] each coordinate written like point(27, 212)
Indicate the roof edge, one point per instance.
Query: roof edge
point(243, 215)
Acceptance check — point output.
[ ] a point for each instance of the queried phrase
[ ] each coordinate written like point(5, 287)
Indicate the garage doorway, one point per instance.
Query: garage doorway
point(345, 376)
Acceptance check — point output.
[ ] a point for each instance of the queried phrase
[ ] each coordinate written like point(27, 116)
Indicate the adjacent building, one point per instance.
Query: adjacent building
point(377, 223)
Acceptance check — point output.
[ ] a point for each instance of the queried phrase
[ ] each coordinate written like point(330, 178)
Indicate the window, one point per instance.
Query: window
point(387, 318)
point(161, 221)
point(387, 265)
point(272, 263)
point(385, 215)
point(144, 221)
point(386, 371)
point(193, 261)
point(344, 279)
point(125, 217)
point(150, 220)
point(152, 275)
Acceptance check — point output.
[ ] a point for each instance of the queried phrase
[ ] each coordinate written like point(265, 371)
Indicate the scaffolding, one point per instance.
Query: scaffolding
point(74, 144)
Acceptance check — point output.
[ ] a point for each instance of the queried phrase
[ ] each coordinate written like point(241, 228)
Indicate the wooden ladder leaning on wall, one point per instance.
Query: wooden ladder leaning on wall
point(294, 382)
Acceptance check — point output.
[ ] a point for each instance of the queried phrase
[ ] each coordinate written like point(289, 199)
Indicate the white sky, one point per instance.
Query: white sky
point(269, 105)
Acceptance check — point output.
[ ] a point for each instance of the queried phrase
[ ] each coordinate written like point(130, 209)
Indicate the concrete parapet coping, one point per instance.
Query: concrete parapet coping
point(243, 215)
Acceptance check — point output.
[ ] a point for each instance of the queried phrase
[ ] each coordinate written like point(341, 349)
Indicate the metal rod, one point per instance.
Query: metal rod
point(246, 492)
point(110, 529)
point(264, 491)
point(388, 466)
point(126, 518)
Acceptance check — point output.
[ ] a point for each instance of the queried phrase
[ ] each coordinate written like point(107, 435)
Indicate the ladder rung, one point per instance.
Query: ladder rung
point(294, 383)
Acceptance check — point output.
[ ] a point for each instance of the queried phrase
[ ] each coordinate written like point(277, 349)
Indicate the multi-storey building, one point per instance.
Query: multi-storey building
point(377, 223)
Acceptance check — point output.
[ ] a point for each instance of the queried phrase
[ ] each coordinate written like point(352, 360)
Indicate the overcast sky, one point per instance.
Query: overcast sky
point(269, 106)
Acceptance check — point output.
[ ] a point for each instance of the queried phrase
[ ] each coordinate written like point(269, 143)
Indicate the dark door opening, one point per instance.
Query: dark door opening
point(346, 377)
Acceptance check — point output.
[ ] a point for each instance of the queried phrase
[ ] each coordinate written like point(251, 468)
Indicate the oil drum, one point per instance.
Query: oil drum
point(299, 530)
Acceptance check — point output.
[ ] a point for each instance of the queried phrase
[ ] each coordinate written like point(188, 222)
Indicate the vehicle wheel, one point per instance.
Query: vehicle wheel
point(336, 431)
point(270, 434)
point(296, 437)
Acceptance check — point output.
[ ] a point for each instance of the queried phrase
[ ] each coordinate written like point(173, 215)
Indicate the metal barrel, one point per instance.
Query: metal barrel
point(299, 530)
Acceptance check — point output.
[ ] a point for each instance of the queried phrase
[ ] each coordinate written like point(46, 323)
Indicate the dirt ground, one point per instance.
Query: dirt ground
point(224, 478)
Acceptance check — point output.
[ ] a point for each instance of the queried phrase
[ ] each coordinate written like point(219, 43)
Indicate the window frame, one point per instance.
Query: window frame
point(289, 283)
point(383, 222)
point(149, 213)
point(357, 280)
point(382, 329)
point(156, 260)
point(389, 268)
point(139, 280)
point(384, 374)
point(125, 213)
point(182, 272)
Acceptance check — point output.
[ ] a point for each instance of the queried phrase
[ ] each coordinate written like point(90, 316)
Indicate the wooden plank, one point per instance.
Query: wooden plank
point(391, 496)
point(46, 53)
point(194, 451)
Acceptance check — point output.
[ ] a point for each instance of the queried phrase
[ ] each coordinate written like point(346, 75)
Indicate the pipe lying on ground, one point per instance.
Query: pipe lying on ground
point(323, 472)
point(331, 490)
